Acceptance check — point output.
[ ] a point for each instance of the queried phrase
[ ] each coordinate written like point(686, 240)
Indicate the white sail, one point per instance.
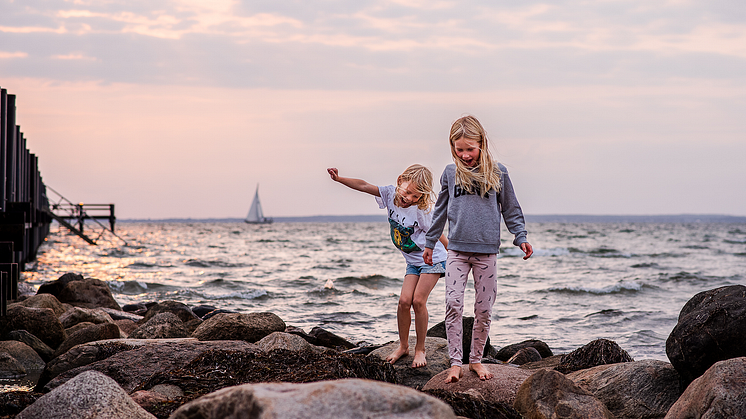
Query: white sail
point(256, 215)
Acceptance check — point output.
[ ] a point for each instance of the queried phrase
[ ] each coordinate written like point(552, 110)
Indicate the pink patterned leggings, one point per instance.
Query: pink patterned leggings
point(484, 270)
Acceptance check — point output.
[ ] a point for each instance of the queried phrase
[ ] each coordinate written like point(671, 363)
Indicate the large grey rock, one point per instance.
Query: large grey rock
point(40, 322)
point(632, 390)
point(25, 354)
point(77, 315)
point(133, 367)
point(88, 395)
point(711, 328)
point(436, 354)
point(163, 325)
point(716, 394)
point(548, 394)
point(501, 388)
point(250, 327)
point(337, 399)
point(102, 331)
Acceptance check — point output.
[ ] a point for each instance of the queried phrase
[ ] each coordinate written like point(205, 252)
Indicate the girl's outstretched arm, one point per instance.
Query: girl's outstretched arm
point(356, 184)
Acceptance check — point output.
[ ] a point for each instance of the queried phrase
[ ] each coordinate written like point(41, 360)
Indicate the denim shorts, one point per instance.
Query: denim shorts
point(437, 268)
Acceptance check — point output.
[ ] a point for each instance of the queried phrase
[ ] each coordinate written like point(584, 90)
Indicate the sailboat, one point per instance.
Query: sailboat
point(256, 216)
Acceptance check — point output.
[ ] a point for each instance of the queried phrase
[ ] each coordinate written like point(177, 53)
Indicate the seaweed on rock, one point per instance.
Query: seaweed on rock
point(468, 406)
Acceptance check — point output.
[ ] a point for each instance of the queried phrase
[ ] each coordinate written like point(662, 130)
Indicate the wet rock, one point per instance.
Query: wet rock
point(353, 399)
point(439, 331)
point(632, 390)
point(90, 394)
point(711, 328)
point(718, 393)
point(250, 327)
point(10, 367)
point(24, 354)
point(509, 351)
point(146, 360)
point(40, 322)
point(597, 352)
point(96, 332)
point(77, 315)
point(161, 326)
point(45, 352)
point(181, 310)
point(436, 353)
point(83, 292)
point(524, 356)
point(330, 340)
point(201, 310)
point(300, 332)
point(499, 389)
point(474, 406)
point(44, 301)
point(54, 287)
point(548, 394)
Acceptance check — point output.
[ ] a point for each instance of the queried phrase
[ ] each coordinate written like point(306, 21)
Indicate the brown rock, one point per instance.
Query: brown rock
point(548, 394)
point(597, 352)
point(249, 327)
point(88, 293)
point(718, 393)
point(524, 356)
point(501, 388)
point(44, 301)
point(101, 331)
point(40, 322)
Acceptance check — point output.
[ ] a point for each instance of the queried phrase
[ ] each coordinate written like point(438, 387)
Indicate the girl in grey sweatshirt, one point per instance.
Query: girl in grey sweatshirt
point(475, 193)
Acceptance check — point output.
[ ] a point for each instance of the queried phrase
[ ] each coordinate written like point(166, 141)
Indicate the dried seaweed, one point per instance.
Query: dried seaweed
point(598, 352)
point(475, 408)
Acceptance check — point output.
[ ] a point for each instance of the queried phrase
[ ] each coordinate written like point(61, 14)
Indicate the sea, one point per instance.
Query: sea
point(618, 280)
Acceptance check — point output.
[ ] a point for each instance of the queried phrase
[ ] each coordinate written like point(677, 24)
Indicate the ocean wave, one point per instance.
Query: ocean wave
point(623, 287)
point(198, 263)
point(241, 295)
point(135, 287)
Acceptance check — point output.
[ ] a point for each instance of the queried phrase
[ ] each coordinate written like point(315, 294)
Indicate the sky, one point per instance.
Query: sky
point(180, 108)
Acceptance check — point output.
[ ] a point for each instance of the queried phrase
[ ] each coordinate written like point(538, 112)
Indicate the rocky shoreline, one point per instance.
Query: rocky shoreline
point(167, 360)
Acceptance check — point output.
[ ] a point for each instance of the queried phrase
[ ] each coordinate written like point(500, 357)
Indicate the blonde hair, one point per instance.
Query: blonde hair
point(422, 178)
point(487, 174)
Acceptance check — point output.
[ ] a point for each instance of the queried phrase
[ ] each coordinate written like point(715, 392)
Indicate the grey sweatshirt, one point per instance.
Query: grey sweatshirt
point(474, 221)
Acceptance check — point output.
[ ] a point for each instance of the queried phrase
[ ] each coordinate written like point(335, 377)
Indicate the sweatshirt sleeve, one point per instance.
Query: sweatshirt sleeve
point(511, 209)
point(440, 214)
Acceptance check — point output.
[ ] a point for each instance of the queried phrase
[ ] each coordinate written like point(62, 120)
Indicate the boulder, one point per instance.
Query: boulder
point(439, 331)
point(44, 301)
point(88, 395)
point(250, 327)
point(80, 326)
point(472, 405)
point(509, 351)
point(203, 309)
point(548, 394)
point(163, 325)
point(181, 310)
point(40, 322)
point(340, 399)
point(499, 389)
point(330, 340)
point(54, 287)
point(24, 354)
point(45, 352)
point(597, 352)
point(121, 314)
point(711, 328)
point(144, 361)
point(126, 326)
point(718, 393)
point(103, 331)
point(287, 341)
point(436, 354)
point(524, 356)
point(77, 315)
point(632, 390)
point(10, 367)
point(76, 290)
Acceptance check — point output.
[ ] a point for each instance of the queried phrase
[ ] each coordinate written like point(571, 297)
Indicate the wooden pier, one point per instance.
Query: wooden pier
point(25, 211)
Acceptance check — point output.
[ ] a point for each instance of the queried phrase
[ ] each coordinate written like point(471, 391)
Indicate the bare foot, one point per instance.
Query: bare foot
point(419, 359)
point(481, 371)
point(454, 374)
point(394, 356)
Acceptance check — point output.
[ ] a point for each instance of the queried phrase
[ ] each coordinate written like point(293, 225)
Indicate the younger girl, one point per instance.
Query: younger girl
point(409, 204)
point(475, 192)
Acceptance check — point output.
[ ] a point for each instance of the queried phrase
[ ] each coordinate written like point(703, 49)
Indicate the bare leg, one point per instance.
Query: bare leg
point(404, 317)
point(481, 371)
point(424, 286)
point(454, 374)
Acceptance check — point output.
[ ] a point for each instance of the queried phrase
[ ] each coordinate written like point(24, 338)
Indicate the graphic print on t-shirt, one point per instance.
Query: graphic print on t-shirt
point(402, 237)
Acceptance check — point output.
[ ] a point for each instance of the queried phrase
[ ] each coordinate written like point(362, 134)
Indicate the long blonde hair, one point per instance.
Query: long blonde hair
point(487, 174)
point(422, 177)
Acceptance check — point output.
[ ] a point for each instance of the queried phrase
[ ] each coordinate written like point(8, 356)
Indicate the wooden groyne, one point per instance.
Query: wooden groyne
point(24, 219)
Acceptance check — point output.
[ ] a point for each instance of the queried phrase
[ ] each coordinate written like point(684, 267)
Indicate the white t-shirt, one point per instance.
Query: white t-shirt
point(408, 228)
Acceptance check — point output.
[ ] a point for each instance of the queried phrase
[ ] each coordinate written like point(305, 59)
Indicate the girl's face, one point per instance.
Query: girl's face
point(467, 150)
point(407, 194)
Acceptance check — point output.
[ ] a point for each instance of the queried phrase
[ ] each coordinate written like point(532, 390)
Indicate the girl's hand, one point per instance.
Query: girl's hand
point(333, 173)
point(427, 256)
point(527, 249)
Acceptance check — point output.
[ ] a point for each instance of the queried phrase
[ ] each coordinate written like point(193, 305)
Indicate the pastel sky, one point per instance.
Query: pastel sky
point(180, 108)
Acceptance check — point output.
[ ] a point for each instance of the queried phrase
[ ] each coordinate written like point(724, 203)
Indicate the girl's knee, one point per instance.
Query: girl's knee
point(419, 304)
point(405, 303)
